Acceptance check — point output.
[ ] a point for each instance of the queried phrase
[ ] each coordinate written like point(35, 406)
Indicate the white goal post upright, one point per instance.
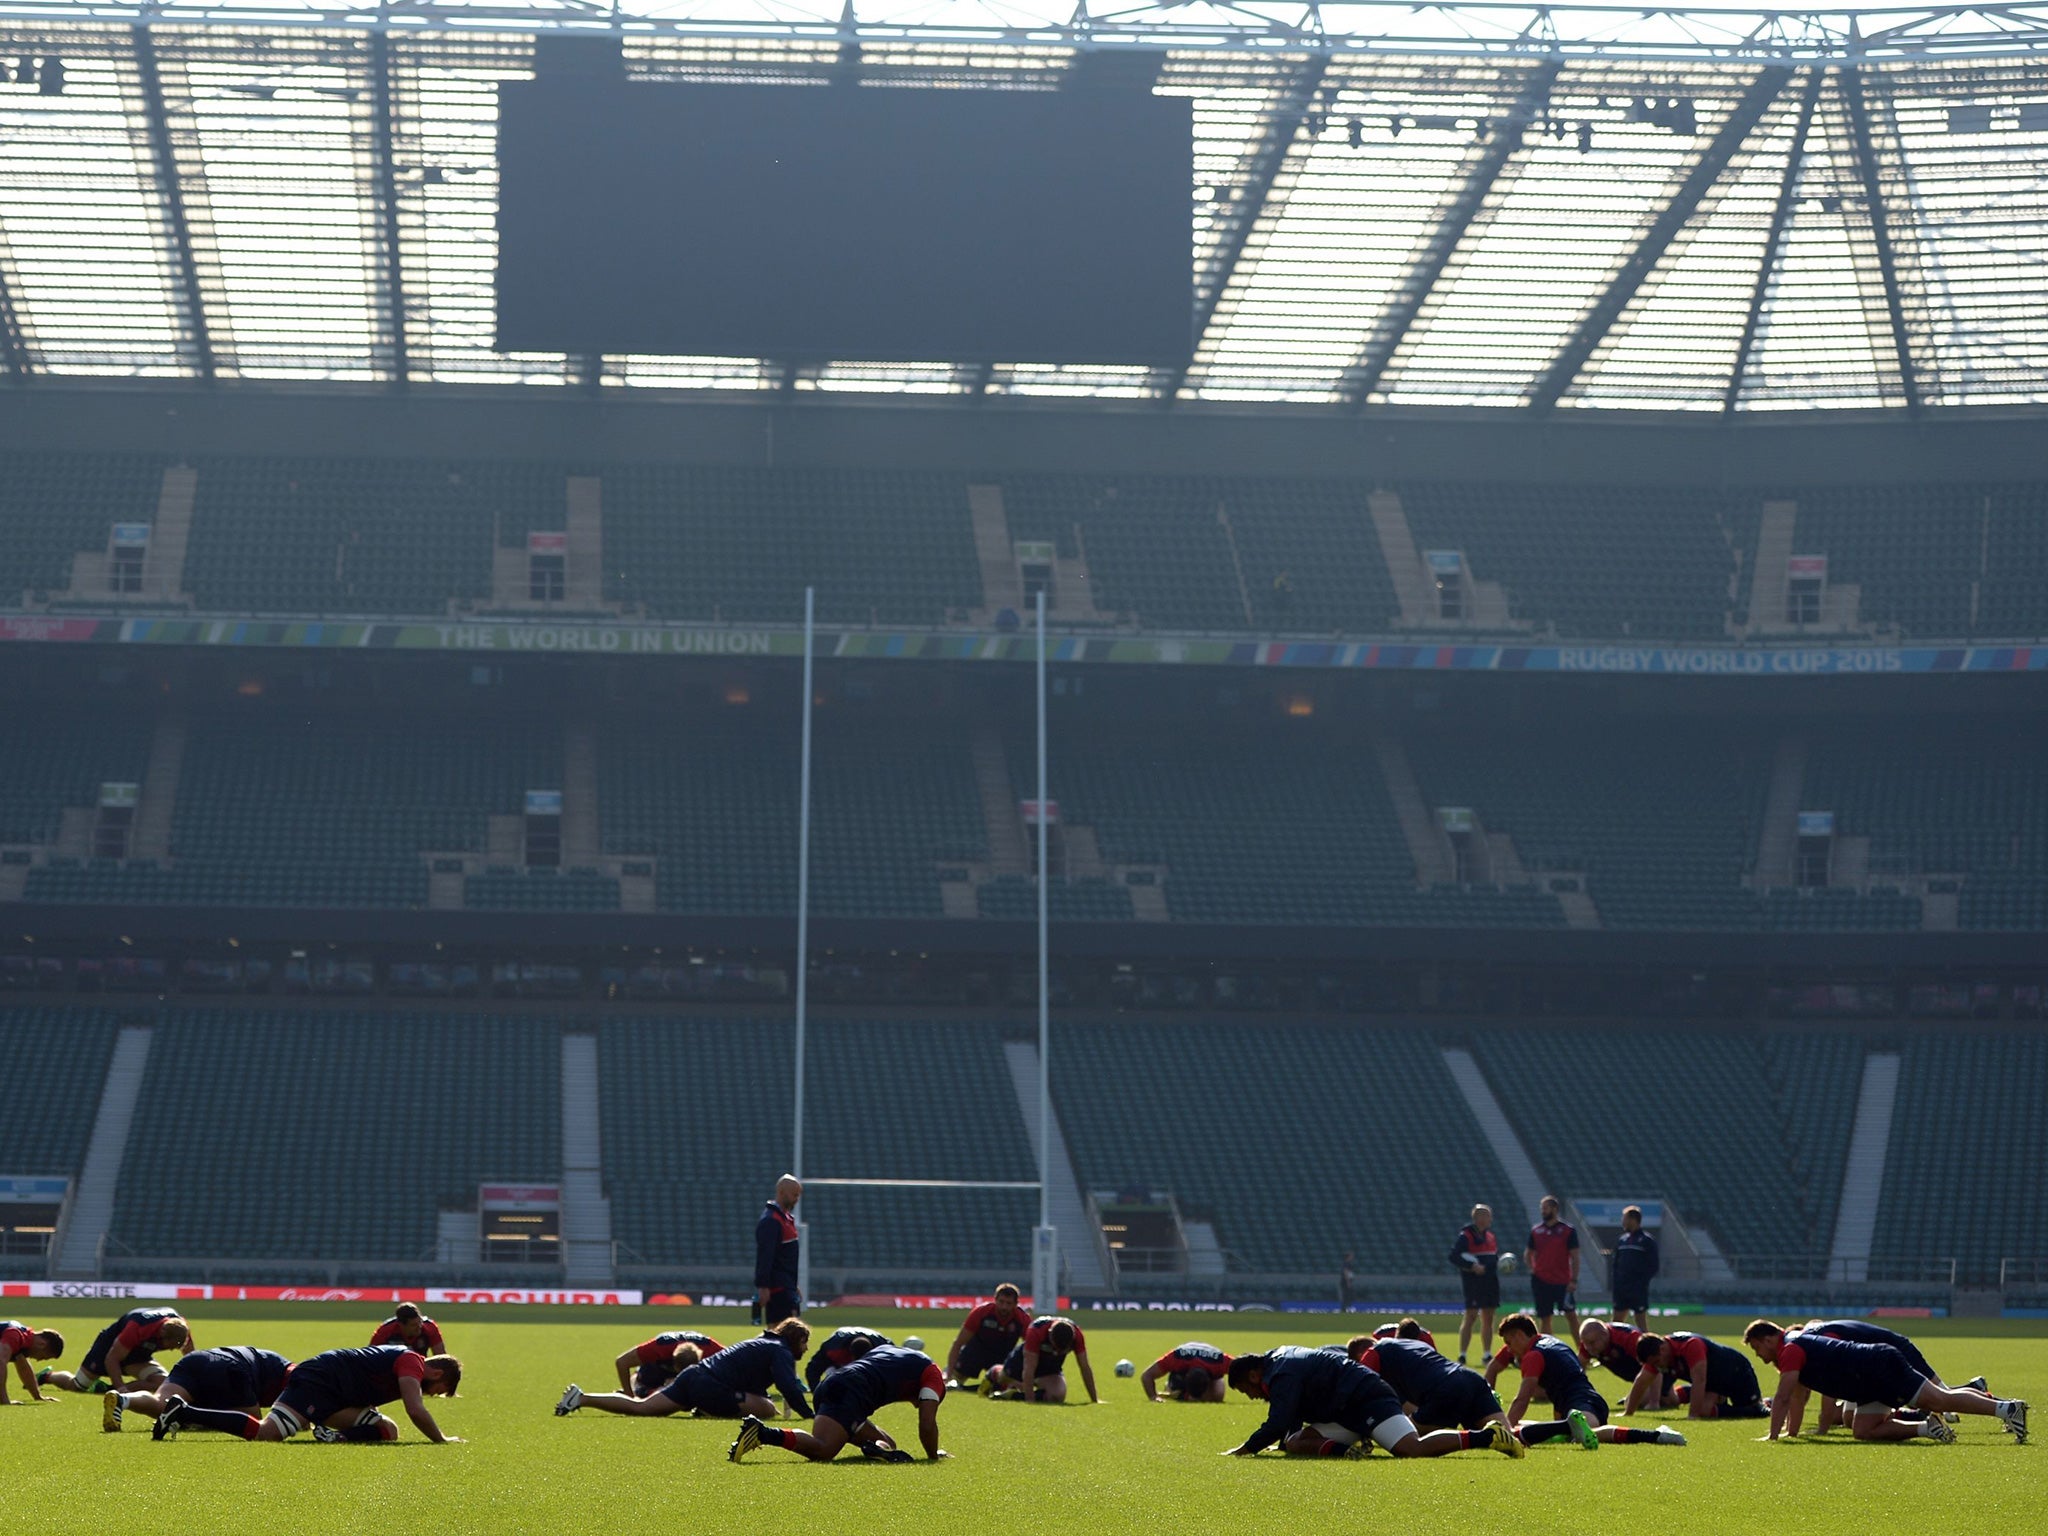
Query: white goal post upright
point(1045, 1246)
point(803, 941)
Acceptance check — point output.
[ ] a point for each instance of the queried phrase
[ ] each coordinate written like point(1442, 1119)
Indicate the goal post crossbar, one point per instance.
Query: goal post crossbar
point(929, 1183)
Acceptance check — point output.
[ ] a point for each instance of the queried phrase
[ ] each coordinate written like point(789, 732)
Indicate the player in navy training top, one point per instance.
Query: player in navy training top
point(986, 1338)
point(125, 1352)
point(1406, 1328)
point(776, 1252)
point(1475, 1255)
point(1876, 1378)
point(734, 1381)
point(237, 1377)
point(1194, 1372)
point(1613, 1345)
point(1342, 1404)
point(1718, 1382)
point(1436, 1392)
point(20, 1344)
point(1579, 1412)
point(1632, 1268)
point(1036, 1369)
point(336, 1395)
point(845, 1346)
point(847, 1402)
point(408, 1326)
point(652, 1364)
point(1552, 1257)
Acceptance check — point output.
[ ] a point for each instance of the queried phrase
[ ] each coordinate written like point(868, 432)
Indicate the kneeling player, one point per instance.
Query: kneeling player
point(1436, 1392)
point(1342, 1405)
point(1718, 1383)
point(733, 1382)
point(991, 1331)
point(236, 1378)
point(19, 1344)
point(648, 1367)
point(125, 1352)
point(1407, 1328)
point(1877, 1379)
point(1552, 1367)
point(847, 1401)
point(336, 1395)
point(845, 1346)
point(1036, 1369)
point(407, 1325)
point(1194, 1372)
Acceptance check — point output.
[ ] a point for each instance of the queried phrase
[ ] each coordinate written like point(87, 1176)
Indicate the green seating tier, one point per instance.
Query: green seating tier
point(880, 546)
point(50, 763)
point(1595, 561)
point(1915, 550)
point(689, 1161)
point(1969, 1140)
point(58, 1059)
point(1723, 1147)
point(332, 1135)
point(718, 808)
point(1261, 1129)
point(56, 505)
point(367, 536)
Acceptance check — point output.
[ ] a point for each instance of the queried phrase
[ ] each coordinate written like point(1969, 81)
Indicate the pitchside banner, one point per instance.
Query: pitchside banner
point(157, 1290)
point(500, 638)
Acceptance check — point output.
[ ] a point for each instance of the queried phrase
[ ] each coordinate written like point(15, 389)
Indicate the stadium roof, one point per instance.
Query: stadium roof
point(1466, 205)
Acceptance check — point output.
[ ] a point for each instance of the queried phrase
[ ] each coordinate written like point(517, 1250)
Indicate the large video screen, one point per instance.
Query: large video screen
point(844, 222)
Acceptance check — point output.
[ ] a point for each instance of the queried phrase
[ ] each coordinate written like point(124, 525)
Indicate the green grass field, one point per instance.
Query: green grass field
point(1126, 1465)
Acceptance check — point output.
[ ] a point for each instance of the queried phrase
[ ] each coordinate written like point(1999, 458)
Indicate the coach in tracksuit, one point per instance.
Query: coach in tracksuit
point(776, 1246)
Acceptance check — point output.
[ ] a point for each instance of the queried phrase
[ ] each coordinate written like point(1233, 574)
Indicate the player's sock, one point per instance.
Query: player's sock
point(223, 1421)
point(364, 1434)
point(771, 1436)
point(1552, 1429)
point(1475, 1439)
point(1332, 1448)
point(1635, 1436)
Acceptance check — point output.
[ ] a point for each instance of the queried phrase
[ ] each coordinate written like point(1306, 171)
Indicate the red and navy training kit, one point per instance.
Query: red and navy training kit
point(429, 1342)
point(1482, 1285)
point(991, 1337)
point(1856, 1331)
point(1393, 1331)
point(749, 1367)
point(657, 1357)
point(1446, 1395)
point(17, 1338)
point(1620, 1354)
point(1320, 1386)
point(232, 1376)
point(1554, 1366)
point(1051, 1361)
point(775, 1264)
point(1856, 1373)
point(136, 1331)
point(886, 1374)
point(844, 1347)
point(1631, 1270)
point(1193, 1368)
point(317, 1389)
point(1551, 1245)
point(1718, 1369)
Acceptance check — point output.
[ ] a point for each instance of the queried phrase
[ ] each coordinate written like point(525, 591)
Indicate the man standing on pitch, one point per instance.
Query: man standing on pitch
point(1553, 1260)
point(1476, 1257)
point(1632, 1268)
point(775, 1256)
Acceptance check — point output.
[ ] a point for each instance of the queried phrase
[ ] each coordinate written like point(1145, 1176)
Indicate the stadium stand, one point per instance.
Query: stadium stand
point(541, 890)
point(277, 809)
point(1915, 550)
point(885, 1100)
point(358, 536)
point(56, 505)
point(61, 764)
point(718, 807)
point(1014, 898)
point(64, 1054)
point(742, 544)
point(1279, 1176)
point(1968, 1145)
point(283, 1135)
point(1724, 1149)
point(1254, 828)
point(1595, 561)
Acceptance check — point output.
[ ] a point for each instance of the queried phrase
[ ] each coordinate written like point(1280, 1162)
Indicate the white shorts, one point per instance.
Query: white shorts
point(1387, 1434)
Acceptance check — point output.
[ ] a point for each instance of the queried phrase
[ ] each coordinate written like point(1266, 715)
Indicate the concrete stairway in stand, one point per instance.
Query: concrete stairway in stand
point(586, 1212)
point(1870, 1141)
point(1080, 1240)
point(92, 1202)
